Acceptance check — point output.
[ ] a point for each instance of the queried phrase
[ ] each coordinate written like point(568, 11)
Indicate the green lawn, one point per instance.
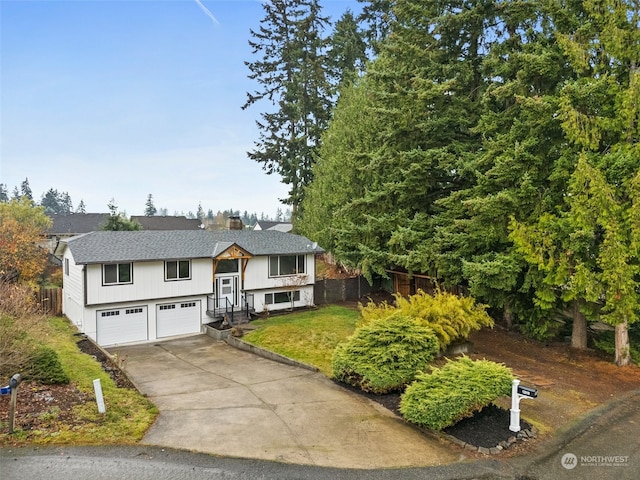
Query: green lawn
point(308, 336)
point(128, 414)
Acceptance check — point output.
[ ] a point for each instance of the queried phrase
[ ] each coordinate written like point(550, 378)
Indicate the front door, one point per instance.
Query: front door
point(227, 291)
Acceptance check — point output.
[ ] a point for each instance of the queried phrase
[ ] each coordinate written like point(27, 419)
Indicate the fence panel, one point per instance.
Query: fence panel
point(50, 299)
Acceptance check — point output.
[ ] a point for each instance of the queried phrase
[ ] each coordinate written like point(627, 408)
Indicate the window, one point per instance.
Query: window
point(227, 266)
point(286, 265)
point(282, 297)
point(168, 307)
point(66, 267)
point(131, 311)
point(117, 273)
point(178, 270)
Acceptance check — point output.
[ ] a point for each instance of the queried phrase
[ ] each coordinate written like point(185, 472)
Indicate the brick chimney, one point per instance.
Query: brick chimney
point(234, 223)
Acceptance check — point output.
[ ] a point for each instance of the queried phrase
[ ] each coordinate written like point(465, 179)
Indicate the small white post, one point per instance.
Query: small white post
point(99, 398)
point(515, 407)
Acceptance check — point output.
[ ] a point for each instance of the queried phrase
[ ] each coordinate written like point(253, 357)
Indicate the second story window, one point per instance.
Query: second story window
point(117, 273)
point(286, 265)
point(177, 270)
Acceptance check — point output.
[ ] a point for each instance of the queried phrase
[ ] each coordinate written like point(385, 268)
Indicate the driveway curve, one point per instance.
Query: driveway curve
point(219, 400)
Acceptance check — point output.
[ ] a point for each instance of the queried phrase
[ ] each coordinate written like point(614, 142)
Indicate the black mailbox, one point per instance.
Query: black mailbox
point(527, 392)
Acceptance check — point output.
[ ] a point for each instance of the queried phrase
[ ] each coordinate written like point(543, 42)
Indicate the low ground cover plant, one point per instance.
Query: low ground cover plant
point(385, 354)
point(444, 396)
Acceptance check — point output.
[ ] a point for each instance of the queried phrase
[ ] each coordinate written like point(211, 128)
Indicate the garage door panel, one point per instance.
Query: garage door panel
point(178, 318)
point(122, 325)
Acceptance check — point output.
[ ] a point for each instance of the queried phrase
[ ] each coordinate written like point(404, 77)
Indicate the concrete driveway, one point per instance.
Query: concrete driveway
point(216, 399)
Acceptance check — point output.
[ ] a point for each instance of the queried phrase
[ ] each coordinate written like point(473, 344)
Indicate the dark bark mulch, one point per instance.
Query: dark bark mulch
point(486, 428)
point(119, 377)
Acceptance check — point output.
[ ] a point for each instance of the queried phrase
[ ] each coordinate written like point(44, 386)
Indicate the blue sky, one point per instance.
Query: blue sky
point(120, 99)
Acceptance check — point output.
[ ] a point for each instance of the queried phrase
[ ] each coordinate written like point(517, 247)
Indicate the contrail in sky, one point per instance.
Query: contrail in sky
point(207, 12)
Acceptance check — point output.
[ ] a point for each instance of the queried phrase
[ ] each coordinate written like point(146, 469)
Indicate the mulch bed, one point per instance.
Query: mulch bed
point(487, 428)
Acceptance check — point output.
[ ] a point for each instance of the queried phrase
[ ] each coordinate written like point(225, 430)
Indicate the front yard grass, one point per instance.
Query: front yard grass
point(128, 414)
point(310, 336)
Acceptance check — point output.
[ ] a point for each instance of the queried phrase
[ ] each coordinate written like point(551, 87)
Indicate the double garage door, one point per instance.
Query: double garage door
point(131, 324)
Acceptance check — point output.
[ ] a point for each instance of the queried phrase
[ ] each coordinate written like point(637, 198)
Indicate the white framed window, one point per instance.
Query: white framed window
point(281, 297)
point(177, 270)
point(117, 273)
point(281, 265)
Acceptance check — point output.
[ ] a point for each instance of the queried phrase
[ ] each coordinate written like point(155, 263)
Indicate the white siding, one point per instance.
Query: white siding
point(149, 283)
point(258, 283)
point(72, 290)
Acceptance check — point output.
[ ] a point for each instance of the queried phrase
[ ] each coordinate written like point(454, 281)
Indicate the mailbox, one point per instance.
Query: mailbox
point(527, 392)
point(15, 381)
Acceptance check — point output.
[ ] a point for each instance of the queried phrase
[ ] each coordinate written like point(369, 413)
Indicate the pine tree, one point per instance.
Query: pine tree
point(292, 74)
point(4, 193)
point(81, 207)
point(25, 189)
point(347, 54)
point(601, 116)
point(150, 209)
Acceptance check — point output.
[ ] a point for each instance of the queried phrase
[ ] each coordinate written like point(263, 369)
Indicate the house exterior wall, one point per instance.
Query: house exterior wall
point(72, 294)
point(258, 283)
point(149, 283)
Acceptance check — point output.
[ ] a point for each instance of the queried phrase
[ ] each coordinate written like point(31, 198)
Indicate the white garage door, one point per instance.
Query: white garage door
point(122, 325)
point(178, 318)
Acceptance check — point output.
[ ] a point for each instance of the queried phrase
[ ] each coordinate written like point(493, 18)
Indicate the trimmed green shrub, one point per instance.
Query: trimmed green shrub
point(449, 316)
point(45, 367)
point(385, 355)
point(445, 396)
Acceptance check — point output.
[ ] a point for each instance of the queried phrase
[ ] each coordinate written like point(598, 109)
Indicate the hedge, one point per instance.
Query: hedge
point(445, 396)
point(385, 355)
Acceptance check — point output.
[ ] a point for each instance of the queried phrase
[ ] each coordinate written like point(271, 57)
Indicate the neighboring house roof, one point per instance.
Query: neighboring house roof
point(268, 225)
point(148, 245)
point(76, 223)
point(166, 222)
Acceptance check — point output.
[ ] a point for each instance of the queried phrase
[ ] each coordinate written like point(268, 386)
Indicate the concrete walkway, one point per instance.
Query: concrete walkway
point(218, 400)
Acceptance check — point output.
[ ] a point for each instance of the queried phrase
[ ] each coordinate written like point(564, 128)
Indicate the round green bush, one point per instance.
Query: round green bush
point(385, 355)
point(445, 396)
point(45, 367)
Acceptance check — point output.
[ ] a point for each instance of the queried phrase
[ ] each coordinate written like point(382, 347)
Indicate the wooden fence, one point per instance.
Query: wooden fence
point(50, 299)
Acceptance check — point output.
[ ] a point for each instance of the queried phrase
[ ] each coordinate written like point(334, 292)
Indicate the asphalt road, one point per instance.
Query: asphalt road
point(155, 463)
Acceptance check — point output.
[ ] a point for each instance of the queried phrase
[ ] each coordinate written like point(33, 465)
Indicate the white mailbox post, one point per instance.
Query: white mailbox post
point(517, 394)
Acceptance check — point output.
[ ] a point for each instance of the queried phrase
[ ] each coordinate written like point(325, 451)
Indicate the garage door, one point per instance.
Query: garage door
point(122, 325)
point(178, 318)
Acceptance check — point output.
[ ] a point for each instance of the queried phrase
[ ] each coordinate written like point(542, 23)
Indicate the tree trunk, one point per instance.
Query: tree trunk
point(623, 355)
point(507, 317)
point(579, 327)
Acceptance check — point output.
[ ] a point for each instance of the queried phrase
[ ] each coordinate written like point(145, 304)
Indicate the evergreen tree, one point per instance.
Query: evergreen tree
point(118, 221)
point(4, 193)
point(150, 209)
point(25, 189)
point(347, 54)
point(377, 16)
point(56, 203)
point(81, 207)
point(200, 213)
point(292, 74)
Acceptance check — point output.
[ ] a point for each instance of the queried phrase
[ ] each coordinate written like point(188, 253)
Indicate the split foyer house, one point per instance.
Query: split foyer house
point(126, 287)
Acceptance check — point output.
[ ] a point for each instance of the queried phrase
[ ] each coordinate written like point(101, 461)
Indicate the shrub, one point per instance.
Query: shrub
point(45, 367)
point(445, 396)
point(20, 322)
point(384, 355)
point(449, 316)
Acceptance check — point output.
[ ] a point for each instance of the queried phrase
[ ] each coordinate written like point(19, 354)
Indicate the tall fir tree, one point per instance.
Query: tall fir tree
point(347, 53)
point(150, 209)
point(292, 75)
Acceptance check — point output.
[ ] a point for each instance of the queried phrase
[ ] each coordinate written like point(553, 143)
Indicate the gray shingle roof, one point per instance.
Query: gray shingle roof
point(148, 245)
point(76, 223)
point(166, 223)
